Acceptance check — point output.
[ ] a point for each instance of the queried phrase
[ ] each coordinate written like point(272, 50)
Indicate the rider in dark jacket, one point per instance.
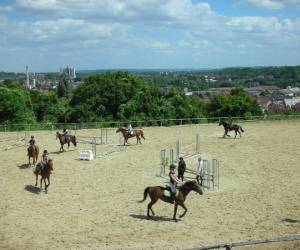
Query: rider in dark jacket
point(181, 168)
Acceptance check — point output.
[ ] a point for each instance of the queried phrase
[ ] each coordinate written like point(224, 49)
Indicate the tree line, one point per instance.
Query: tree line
point(117, 96)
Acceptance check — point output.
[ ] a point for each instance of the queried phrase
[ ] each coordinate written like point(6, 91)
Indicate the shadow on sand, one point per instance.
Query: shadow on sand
point(152, 218)
point(290, 220)
point(24, 166)
point(60, 152)
point(33, 189)
point(225, 138)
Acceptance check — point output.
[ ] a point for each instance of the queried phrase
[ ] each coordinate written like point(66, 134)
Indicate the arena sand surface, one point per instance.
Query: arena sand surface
point(93, 204)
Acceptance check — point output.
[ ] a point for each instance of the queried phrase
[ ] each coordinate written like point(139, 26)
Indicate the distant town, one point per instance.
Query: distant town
point(274, 88)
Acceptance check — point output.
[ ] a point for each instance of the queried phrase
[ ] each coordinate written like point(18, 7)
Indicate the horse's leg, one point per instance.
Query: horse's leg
point(41, 182)
point(36, 179)
point(235, 133)
point(152, 202)
point(48, 178)
point(185, 209)
point(240, 133)
point(175, 211)
point(45, 185)
point(225, 133)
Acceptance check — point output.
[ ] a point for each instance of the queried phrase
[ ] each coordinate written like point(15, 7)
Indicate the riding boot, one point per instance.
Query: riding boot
point(173, 195)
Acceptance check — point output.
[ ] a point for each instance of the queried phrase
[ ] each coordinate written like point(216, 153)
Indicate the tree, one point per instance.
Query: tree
point(63, 88)
point(15, 105)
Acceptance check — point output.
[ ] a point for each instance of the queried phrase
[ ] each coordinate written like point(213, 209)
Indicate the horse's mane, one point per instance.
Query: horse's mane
point(185, 186)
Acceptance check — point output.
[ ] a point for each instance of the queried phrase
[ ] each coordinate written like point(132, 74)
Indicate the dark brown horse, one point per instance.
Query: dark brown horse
point(157, 193)
point(33, 152)
point(45, 174)
point(63, 139)
point(138, 133)
point(230, 127)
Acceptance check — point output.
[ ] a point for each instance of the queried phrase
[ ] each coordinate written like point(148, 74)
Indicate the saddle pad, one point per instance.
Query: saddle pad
point(167, 193)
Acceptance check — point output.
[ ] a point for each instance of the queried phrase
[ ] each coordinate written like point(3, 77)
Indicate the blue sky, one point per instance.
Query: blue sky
point(112, 34)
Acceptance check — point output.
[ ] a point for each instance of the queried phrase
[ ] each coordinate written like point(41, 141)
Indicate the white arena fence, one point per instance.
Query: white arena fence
point(13, 141)
point(138, 123)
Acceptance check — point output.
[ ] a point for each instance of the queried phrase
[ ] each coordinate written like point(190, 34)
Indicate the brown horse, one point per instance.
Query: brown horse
point(32, 152)
point(138, 133)
point(230, 127)
point(157, 192)
point(45, 174)
point(63, 139)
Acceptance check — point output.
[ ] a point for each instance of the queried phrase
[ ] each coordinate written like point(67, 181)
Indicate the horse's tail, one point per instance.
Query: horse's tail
point(145, 194)
point(242, 129)
point(142, 135)
point(74, 141)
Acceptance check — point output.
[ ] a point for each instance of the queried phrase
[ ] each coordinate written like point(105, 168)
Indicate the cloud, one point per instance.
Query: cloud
point(273, 4)
point(116, 32)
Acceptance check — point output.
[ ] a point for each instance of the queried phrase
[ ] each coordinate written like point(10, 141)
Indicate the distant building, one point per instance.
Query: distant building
point(263, 102)
point(259, 89)
point(68, 71)
point(290, 102)
point(27, 77)
point(289, 91)
point(296, 107)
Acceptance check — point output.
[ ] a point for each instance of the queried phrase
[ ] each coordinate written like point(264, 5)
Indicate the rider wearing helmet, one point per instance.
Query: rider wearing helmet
point(173, 181)
point(32, 140)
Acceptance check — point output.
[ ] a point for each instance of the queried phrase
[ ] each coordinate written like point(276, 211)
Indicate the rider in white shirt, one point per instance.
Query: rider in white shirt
point(130, 129)
point(200, 170)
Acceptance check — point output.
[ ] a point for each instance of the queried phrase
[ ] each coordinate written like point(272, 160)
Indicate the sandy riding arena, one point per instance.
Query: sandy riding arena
point(93, 204)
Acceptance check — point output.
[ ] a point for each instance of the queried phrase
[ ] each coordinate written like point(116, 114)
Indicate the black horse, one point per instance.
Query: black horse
point(230, 127)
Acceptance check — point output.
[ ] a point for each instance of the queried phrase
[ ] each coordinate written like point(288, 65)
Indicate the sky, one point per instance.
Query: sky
point(148, 34)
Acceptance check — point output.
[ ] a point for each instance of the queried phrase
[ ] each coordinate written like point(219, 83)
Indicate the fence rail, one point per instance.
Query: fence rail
point(136, 123)
point(229, 246)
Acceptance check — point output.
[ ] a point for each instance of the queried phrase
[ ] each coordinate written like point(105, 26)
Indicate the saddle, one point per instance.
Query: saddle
point(39, 168)
point(168, 191)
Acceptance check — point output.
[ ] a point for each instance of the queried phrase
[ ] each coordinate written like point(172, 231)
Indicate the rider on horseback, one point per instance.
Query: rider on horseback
point(32, 140)
point(129, 129)
point(173, 182)
point(44, 160)
point(66, 133)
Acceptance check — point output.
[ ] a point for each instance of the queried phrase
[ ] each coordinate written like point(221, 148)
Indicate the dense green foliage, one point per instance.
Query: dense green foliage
point(15, 104)
point(118, 96)
point(237, 104)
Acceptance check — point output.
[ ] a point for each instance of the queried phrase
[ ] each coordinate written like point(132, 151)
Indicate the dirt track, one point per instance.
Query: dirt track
point(92, 205)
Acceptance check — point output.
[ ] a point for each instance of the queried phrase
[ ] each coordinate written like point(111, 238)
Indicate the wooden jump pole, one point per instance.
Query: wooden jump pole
point(197, 143)
point(177, 150)
point(171, 156)
point(215, 173)
point(162, 163)
point(94, 147)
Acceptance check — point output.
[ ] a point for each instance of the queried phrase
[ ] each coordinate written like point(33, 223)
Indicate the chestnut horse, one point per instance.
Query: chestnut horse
point(45, 174)
point(33, 152)
point(138, 133)
point(230, 127)
point(157, 192)
point(63, 139)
